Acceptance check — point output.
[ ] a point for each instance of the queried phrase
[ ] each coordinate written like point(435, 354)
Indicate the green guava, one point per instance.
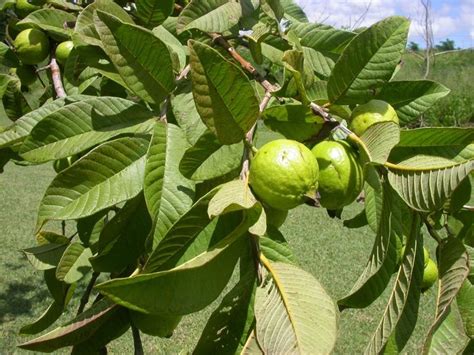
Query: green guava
point(430, 275)
point(340, 174)
point(32, 46)
point(26, 74)
point(282, 173)
point(275, 217)
point(24, 8)
point(63, 50)
point(364, 116)
point(426, 254)
point(156, 325)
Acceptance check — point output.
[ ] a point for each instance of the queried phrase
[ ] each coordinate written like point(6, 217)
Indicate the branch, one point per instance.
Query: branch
point(56, 76)
point(184, 73)
point(87, 293)
point(432, 231)
point(137, 341)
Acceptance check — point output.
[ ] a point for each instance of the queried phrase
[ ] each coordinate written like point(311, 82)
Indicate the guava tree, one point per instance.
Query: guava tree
point(151, 116)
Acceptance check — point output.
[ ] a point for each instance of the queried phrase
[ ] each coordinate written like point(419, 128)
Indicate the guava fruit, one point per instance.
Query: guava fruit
point(26, 74)
point(24, 8)
point(157, 325)
point(340, 173)
point(63, 50)
point(426, 255)
point(275, 217)
point(430, 275)
point(32, 46)
point(282, 173)
point(364, 116)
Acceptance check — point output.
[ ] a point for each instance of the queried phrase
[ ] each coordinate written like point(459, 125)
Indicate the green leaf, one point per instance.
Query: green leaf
point(368, 62)
point(46, 256)
point(79, 329)
point(81, 125)
point(132, 50)
point(294, 313)
point(8, 57)
point(358, 221)
point(74, 263)
point(110, 174)
point(383, 258)
point(153, 12)
point(185, 289)
point(379, 139)
point(453, 270)
point(176, 49)
point(465, 303)
point(122, 240)
point(51, 21)
point(275, 247)
point(232, 196)
point(209, 15)
point(401, 311)
point(13, 99)
point(89, 229)
point(228, 326)
point(322, 38)
point(273, 8)
point(251, 346)
point(208, 159)
point(424, 187)
point(224, 97)
point(168, 193)
point(52, 313)
point(412, 98)
point(320, 64)
point(85, 32)
point(449, 337)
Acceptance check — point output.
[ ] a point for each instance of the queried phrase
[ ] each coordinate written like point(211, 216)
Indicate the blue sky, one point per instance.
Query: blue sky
point(451, 19)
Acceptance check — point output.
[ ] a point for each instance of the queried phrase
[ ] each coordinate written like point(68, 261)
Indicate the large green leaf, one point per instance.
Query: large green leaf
point(167, 192)
point(453, 270)
point(209, 15)
point(51, 21)
point(368, 61)
point(378, 141)
point(411, 98)
point(153, 12)
point(425, 183)
point(133, 51)
point(49, 316)
point(110, 174)
point(401, 311)
point(275, 247)
point(320, 64)
point(45, 257)
point(208, 159)
point(294, 314)
point(466, 307)
point(8, 57)
point(122, 240)
point(85, 32)
point(177, 50)
point(186, 289)
point(78, 126)
point(74, 263)
point(224, 97)
point(79, 329)
point(228, 326)
point(383, 258)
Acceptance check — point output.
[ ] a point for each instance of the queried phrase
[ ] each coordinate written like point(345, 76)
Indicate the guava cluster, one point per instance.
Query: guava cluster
point(32, 45)
point(285, 173)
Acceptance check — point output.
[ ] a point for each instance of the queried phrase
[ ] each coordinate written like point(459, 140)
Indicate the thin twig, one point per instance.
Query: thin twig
point(47, 67)
point(137, 341)
point(87, 293)
point(56, 76)
point(164, 109)
point(184, 73)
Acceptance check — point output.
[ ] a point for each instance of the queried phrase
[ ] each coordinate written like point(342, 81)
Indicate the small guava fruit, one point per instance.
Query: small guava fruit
point(63, 50)
point(430, 275)
point(157, 325)
point(26, 74)
point(340, 174)
point(426, 254)
point(275, 217)
point(25, 7)
point(32, 46)
point(364, 116)
point(282, 173)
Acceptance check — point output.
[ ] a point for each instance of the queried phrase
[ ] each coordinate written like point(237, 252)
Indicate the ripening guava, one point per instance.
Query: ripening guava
point(275, 217)
point(24, 8)
point(32, 46)
point(340, 174)
point(156, 325)
point(63, 50)
point(26, 74)
point(364, 116)
point(430, 275)
point(282, 173)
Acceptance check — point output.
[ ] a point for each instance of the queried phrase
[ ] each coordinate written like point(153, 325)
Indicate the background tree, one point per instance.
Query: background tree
point(413, 46)
point(446, 45)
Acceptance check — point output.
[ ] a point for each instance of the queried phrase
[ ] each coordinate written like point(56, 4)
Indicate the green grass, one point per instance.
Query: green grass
point(334, 254)
point(455, 70)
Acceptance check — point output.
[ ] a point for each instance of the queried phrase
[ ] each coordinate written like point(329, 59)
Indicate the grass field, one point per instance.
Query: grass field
point(334, 254)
